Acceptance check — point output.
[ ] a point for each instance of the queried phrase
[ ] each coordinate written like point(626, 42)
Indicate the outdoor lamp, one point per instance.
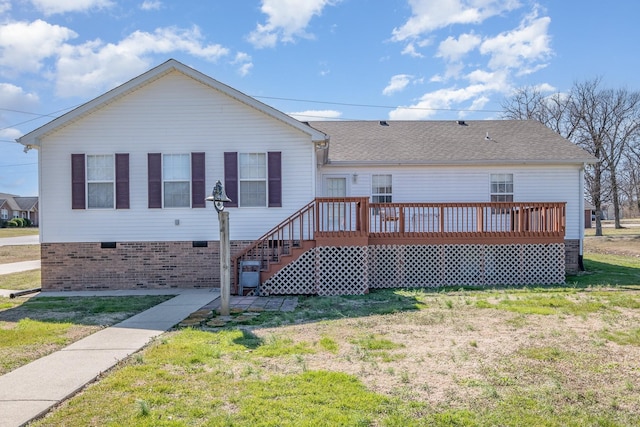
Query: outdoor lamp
point(218, 197)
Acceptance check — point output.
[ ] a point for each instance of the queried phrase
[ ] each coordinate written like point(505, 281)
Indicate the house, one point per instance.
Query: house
point(12, 206)
point(325, 207)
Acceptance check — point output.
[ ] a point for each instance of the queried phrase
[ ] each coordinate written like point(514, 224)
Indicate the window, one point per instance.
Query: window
point(100, 181)
point(4, 214)
point(502, 187)
point(253, 179)
point(381, 189)
point(99, 176)
point(176, 180)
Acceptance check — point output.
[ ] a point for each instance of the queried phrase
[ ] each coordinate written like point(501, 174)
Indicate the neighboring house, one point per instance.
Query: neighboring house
point(325, 207)
point(12, 206)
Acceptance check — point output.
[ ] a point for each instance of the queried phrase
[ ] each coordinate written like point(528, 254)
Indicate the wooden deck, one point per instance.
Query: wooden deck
point(354, 221)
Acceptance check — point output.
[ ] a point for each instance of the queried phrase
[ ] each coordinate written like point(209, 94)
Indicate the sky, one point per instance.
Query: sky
point(313, 59)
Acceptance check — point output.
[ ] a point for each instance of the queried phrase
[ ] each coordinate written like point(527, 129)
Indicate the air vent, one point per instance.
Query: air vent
point(384, 123)
point(107, 245)
point(462, 123)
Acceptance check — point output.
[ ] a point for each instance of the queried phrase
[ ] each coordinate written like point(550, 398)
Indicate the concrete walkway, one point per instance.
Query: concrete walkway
point(21, 240)
point(33, 389)
point(17, 267)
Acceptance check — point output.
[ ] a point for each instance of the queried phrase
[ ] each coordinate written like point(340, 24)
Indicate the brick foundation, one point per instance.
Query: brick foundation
point(132, 265)
point(157, 265)
point(572, 256)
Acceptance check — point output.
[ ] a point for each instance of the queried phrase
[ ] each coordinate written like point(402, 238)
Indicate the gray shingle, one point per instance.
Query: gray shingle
point(448, 142)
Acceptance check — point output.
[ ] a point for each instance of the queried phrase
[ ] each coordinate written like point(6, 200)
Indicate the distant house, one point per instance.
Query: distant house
point(12, 206)
point(323, 207)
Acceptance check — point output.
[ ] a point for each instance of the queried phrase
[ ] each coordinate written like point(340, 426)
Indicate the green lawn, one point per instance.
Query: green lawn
point(548, 356)
point(34, 327)
point(20, 281)
point(17, 232)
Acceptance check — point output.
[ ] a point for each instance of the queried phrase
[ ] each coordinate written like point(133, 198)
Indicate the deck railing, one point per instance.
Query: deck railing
point(349, 221)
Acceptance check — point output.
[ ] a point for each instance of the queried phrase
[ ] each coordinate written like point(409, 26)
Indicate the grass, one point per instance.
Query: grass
point(17, 232)
point(17, 253)
point(20, 281)
point(607, 269)
point(550, 356)
point(32, 328)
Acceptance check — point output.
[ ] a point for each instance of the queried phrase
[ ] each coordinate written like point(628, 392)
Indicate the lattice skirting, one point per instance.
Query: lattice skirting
point(353, 270)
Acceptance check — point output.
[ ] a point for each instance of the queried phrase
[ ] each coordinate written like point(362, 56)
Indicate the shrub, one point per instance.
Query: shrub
point(20, 222)
point(13, 223)
point(27, 222)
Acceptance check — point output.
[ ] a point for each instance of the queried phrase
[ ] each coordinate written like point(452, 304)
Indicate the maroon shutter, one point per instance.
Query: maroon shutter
point(78, 200)
point(274, 167)
point(154, 162)
point(122, 181)
point(231, 178)
point(198, 190)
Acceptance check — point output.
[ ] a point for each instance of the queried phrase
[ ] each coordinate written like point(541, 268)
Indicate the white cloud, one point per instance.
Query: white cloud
point(15, 98)
point(397, 84)
point(522, 47)
point(453, 49)
point(151, 5)
point(316, 115)
point(244, 61)
point(51, 7)
point(286, 20)
point(429, 15)
point(410, 50)
point(94, 66)
point(5, 6)
point(24, 45)
point(477, 93)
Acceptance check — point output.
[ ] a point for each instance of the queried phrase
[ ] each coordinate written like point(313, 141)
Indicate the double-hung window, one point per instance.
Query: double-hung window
point(100, 181)
point(4, 214)
point(176, 180)
point(381, 189)
point(253, 179)
point(502, 187)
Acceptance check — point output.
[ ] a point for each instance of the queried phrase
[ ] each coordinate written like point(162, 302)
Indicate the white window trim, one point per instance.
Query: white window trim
point(265, 179)
point(382, 194)
point(492, 193)
point(88, 181)
point(188, 180)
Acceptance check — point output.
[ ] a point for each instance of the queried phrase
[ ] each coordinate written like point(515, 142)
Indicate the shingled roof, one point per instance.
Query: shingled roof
point(448, 142)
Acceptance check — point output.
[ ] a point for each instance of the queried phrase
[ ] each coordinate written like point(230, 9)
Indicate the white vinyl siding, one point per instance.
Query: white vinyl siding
point(253, 179)
point(100, 181)
point(194, 118)
point(436, 184)
point(176, 180)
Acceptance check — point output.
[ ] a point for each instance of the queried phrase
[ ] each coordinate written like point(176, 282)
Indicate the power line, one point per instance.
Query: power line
point(391, 107)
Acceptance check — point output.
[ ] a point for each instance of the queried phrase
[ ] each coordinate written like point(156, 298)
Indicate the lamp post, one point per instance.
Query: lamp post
point(219, 197)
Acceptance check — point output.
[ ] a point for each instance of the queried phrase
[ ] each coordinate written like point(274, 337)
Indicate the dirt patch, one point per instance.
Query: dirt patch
point(453, 356)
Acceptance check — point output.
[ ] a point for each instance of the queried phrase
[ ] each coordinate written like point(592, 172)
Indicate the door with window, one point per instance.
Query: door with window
point(333, 213)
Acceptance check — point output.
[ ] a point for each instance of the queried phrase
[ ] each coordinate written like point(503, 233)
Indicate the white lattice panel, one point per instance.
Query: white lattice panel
point(343, 270)
point(421, 266)
point(462, 265)
point(543, 264)
point(296, 278)
point(384, 263)
point(503, 264)
point(354, 269)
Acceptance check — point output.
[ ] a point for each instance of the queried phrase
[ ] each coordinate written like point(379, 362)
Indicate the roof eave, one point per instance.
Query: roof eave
point(459, 162)
point(32, 139)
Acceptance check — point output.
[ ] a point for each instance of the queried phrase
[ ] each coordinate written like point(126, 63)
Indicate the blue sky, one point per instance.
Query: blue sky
point(314, 59)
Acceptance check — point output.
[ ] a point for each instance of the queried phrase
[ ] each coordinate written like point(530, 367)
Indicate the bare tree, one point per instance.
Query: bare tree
point(604, 122)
